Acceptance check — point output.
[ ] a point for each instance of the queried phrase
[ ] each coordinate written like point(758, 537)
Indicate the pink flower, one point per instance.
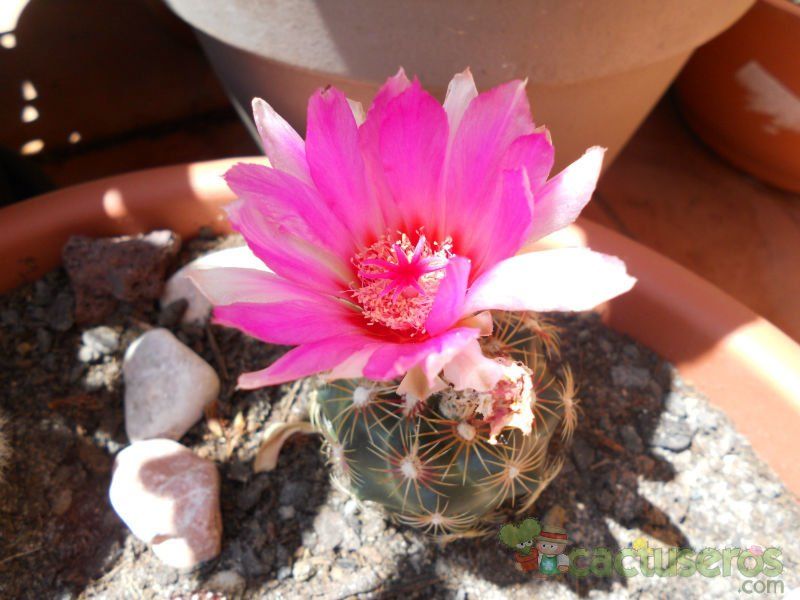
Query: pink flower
point(390, 235)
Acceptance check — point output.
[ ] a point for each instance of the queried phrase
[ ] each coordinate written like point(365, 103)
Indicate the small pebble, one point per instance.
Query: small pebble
point(169, 498)
point(605, 346)
point(374, 525)
point(286, 512)
point(44, 340)
point(62, 501)
point(631, 439)
point(630, 377)
point(60, 315)
point(49, 362)
point(251, 495)
point(293, 492)
point(672, 434)
point(303, 570)
point(228, 582)
point(329, 525)
point(42, 292)
point(239, 472)
point(98, 342)
point(371, 554)
point(351, 508)
point(583, 454)
point(771, 489)
point(631, 351)
point(167, 387)
point(675, 404)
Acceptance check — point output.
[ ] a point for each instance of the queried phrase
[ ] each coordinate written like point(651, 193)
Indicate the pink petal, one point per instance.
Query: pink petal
point(292, 205)
point(369, 143)
point(352, 367)
point(535, 153)
point(290, 256)
point(412, 144)
point(567, 279)
point(559, 202)
point(336, 164)
point(471, 369)
point(392, 360)
point(233, 284)
point(393, 87)
point(506, 226)
point(460, 92)
point(448, 306)
point(290, 322)
point(284, 148)
point(491, 123)
point(305, 360)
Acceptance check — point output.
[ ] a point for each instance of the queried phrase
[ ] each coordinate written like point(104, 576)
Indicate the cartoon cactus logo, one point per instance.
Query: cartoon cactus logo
point(444, 465)
point(521, 538)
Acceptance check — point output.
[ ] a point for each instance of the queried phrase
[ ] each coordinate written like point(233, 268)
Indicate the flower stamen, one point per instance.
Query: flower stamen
point(398, 281)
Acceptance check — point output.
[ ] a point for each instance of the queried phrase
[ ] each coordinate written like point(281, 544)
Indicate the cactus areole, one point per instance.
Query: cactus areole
point(394, 239)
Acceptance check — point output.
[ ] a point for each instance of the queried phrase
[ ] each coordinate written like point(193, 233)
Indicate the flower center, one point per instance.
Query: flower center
point(398, 280)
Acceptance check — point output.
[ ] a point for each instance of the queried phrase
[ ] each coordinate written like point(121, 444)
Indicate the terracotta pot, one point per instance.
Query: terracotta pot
point(746, 365)
point(741, 93)
point(595, 69)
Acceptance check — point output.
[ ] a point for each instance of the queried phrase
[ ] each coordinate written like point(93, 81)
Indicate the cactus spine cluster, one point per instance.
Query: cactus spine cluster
point(433, 465)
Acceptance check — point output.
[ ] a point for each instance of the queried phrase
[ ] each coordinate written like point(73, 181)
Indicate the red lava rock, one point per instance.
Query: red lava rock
point(106, 271)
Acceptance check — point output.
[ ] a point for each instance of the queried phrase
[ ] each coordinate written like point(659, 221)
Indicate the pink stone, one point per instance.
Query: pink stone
point(169, 498)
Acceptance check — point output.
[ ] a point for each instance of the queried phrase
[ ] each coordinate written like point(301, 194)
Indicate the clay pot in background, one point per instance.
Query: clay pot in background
point(741, 93)
point(595, 69)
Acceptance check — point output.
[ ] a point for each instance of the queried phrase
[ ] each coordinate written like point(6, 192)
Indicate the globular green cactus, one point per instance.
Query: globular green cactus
point(432, 464)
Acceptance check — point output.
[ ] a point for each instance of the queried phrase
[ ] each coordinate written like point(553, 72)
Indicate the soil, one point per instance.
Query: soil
point(651, 458)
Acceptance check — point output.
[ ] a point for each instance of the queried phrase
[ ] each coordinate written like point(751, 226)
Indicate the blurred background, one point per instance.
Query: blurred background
point(698, 101)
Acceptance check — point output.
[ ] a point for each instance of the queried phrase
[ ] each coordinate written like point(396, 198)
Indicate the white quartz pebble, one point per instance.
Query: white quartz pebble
point(167, 386)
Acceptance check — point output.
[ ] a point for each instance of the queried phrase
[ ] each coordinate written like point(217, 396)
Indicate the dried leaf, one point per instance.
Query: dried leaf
point(274, 438)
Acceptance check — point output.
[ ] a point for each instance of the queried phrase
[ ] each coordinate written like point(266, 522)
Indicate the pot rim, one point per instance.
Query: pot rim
point(747, 366)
